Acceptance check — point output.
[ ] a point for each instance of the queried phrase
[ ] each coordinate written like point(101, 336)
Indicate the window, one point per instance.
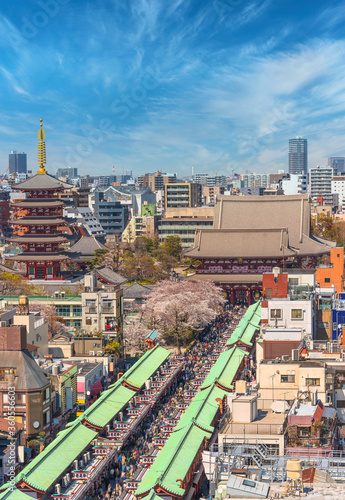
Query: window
point(296, 314)
point(77, 310)
point(276, 314)
point(287, 378)
point(327, 280)
point(46, 417)
point(88, 321)
point(63, 310)
point(247, 482)
point(303, 431)
point(31, 270)
point(341, 404)
point(312, 381)
point(293, 281)
point(46, 394)
point(50, 270)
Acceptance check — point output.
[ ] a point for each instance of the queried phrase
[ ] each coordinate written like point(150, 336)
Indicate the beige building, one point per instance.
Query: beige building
point(184, 222)
point(140, 225)
point(37, 330)
point(283, 380)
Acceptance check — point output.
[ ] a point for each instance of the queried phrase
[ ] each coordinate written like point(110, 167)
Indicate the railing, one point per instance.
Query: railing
point(247, 430)
point(107, 310)
point(91, 310)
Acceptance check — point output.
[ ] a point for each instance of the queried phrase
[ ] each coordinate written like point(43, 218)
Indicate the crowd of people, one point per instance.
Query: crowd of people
point(125, 464)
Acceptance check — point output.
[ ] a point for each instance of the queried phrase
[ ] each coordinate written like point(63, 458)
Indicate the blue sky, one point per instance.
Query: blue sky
point(163, 85)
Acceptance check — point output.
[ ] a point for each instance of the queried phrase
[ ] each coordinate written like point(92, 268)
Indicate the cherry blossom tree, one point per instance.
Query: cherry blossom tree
point(177, 309)
point(134, 334)
point(48, 312)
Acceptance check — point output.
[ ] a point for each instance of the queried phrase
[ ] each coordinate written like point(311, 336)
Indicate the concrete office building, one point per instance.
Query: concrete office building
point(337, 163)
point(17, 163)
point(298, 156)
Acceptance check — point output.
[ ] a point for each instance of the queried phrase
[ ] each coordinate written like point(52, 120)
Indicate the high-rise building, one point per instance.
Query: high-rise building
point(298, 156)
point(17, 163)
point(337, 163)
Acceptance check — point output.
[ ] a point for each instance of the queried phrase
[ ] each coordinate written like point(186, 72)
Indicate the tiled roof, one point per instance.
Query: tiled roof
point(58, 238)
point(28, 374)
point(109, 276)
point(36, 204)
point(174, 460)
point(30, 221)
point(41, 181)
point(14, 495)
point(51, 463)
point(135, 291)
point(137, 375)
point(108, 405)
point(87, 246)
point(24, 257)
point(225, 368)
point(203, 408)
point(247, 327)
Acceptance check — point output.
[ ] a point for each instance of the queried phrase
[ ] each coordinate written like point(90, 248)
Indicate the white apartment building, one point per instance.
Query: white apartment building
point(338, 188)
point(321, 185)
point(297, 184)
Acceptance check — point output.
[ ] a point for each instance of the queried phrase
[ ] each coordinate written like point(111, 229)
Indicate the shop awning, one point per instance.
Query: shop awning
point(96, 388)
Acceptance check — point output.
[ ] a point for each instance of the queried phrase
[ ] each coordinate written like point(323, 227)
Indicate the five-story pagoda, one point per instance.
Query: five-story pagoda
point(35, 221)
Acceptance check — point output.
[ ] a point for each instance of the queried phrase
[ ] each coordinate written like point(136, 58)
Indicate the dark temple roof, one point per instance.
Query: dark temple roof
point(41, 181)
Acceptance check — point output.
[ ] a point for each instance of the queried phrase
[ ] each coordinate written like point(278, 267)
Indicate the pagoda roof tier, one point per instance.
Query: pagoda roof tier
point(28, 257)
point(27, 238)
point(38, 221)
point(42, 181)
point(37, 203)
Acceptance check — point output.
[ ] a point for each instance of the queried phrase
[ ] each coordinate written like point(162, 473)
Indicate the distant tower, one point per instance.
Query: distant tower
point(298, 156)
point(17, 163)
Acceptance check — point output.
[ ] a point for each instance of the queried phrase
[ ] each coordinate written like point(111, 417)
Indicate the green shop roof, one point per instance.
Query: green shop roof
point(14, 495)
point(225, 368)
point(203, 408)
point(174, 460)
point(108, 405)
point(48, 466)
point(144, 368)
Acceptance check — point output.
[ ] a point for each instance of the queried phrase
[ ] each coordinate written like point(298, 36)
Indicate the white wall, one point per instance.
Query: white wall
point(286, 321)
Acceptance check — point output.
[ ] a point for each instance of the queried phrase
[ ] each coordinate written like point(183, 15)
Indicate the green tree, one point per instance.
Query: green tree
point(112, 347)
point(97, 260)
point(173, 246)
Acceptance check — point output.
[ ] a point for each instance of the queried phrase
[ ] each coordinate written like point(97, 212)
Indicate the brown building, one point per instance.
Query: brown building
point(21, 377)
point(156, 181)
point(184, 222)
point(251, 235)
point(182, 195)
point(211, 193)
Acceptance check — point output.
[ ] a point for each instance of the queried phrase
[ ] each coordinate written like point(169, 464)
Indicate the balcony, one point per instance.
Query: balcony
point(107, 310)
point(91, 310)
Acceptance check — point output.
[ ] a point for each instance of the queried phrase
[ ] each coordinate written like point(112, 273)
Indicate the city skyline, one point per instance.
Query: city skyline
point(145, 87)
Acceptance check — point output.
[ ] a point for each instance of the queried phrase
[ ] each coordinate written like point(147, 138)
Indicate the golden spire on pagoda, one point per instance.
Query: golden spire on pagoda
point(41, 135)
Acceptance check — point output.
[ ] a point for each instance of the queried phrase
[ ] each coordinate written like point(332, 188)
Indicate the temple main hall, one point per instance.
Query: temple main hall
point(250, 236)
point(35, 219)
